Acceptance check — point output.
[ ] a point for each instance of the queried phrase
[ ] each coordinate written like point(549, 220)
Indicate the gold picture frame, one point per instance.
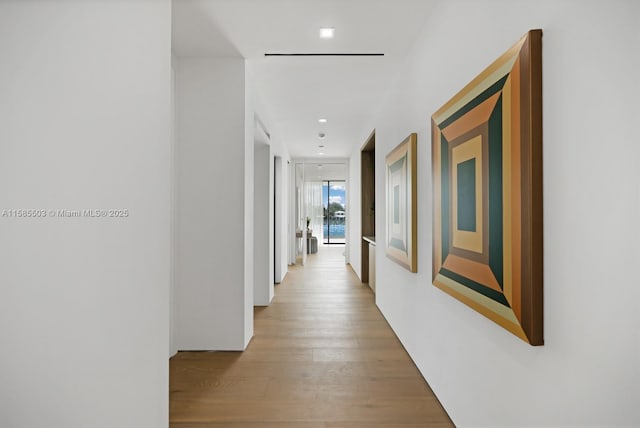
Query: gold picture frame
point(401, 241)
point(487, 192)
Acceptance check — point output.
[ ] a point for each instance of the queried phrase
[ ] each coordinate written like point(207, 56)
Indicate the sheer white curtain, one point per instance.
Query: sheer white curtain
point(313, 207)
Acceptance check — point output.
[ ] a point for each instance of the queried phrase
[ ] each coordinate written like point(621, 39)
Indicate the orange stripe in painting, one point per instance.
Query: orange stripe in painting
point(470, 120)
point(478, 307)
point(437, 198)
point(471, 241)
point(516, 197)
point(506, 192)
point(478, 272)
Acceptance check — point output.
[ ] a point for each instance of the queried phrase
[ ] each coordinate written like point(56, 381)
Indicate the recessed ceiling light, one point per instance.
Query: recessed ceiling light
point(321, 146)
point(322, 120)
point(320, 153)
point(321, 135)
point(327, 33)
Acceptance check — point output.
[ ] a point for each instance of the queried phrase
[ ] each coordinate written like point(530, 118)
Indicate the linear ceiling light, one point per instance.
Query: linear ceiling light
point(325, 54)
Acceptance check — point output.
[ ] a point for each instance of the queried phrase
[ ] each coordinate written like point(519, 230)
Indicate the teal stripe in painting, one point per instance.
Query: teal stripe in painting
point(444, 178)
point(486, 94)
point(485, 291)
point(396, 204)
point(467, 195)
point(495, 193)
point(397, 165)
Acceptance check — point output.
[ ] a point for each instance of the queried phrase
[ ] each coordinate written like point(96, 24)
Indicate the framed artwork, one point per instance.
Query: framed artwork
point(487, 192)
point(401, 236)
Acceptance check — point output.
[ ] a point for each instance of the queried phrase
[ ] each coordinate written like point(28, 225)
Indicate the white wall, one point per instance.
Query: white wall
point(212, 297)
point(173, 218)
point(249, 211)
point(263, 226)
point(255, 107)
point(84, 124)
point(587, 372)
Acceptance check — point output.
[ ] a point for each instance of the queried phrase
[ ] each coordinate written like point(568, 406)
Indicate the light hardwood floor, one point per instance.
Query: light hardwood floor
point(322, 356)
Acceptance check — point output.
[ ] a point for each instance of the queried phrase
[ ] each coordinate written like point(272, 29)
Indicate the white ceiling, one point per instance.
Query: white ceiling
point(297, 91)
point(325, 171)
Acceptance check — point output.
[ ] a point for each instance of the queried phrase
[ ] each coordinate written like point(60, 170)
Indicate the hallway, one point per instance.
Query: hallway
point(322, 357)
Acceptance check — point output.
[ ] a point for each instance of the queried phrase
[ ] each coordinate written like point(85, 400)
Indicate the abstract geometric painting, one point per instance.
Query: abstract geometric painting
point(487, 192)
point(401, 231)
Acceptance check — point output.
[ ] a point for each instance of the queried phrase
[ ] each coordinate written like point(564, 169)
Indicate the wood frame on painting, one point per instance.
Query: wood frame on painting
point(487, 192)
point(401, 241)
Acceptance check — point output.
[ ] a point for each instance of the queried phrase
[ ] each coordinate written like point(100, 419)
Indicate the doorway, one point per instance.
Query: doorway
point(368, 204)
point(334, 211)
point(319, 206)
point(279, 221)
point(263, 217)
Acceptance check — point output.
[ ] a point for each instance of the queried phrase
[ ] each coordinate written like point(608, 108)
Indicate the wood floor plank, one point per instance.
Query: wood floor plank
point(360, 388)
point(347, 354)
point(221, 387)
point(252, 425)
point(386, 425)
point(406, 410)
point(322, 356)
point(307, 342)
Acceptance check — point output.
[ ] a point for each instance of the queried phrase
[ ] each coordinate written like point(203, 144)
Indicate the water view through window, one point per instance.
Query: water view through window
point(335, 212)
